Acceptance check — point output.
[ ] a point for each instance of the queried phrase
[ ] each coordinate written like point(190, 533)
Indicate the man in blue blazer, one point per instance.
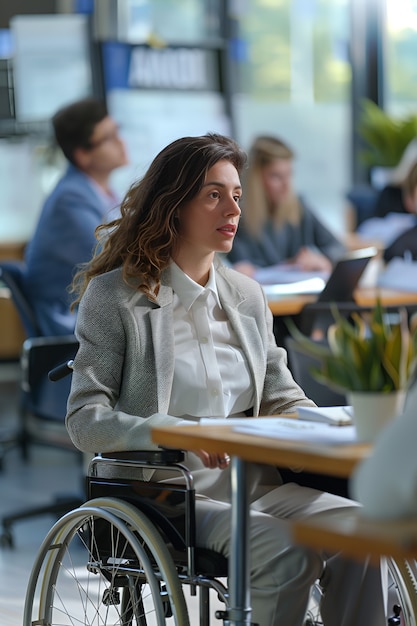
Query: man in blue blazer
point(82, 199)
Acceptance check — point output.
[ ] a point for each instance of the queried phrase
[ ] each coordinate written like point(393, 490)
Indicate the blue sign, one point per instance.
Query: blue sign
point(128, 66)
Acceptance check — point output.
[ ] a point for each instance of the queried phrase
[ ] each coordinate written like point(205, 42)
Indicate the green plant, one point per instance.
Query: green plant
point(385, 137)
point(363, 355)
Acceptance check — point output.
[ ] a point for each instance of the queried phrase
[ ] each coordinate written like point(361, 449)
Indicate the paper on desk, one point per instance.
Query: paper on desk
point(399, 274)
point(333, 415)
point(298, 430)
point(286, 428)
point(288, 273)
point(313, 285)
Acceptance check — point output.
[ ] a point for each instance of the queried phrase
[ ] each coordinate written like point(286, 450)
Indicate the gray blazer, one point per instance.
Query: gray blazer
point(124, 368)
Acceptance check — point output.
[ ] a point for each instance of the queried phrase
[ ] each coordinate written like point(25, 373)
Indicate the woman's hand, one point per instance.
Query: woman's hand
point(244, 267)
point(312, 260)
point(212, 460)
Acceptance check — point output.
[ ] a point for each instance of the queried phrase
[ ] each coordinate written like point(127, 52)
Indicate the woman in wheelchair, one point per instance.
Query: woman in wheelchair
point(169, 334)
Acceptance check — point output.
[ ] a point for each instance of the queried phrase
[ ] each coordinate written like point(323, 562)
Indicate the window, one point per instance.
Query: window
point(295, 83)
point(400, 53)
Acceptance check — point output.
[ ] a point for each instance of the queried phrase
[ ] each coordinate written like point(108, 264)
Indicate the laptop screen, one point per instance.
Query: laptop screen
point(286, 280)
point(345, 275)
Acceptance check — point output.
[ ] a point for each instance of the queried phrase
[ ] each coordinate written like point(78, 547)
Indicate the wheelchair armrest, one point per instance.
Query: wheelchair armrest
point(153, 457)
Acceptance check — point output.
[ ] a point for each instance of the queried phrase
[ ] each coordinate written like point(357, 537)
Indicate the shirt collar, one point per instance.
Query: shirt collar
point(109, 198)
point(188, 290)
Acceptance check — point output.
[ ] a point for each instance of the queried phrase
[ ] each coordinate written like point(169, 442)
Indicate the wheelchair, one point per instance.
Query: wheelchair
point(124, 557)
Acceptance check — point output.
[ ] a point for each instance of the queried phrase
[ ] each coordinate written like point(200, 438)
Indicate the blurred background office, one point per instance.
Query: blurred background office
point(336, 79)
point(305, 70)
point(298, 68)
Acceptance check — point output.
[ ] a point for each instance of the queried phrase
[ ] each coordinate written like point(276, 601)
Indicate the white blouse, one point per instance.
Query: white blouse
point(211, 374)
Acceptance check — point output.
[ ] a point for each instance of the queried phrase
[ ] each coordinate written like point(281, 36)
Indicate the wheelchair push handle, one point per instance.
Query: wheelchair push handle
point(60, 371)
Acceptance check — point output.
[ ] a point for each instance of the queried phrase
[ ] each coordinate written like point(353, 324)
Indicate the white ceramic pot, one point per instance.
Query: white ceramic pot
point(372, 411)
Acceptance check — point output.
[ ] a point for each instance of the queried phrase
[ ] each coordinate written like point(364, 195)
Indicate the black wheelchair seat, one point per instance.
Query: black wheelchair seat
point(170, 507)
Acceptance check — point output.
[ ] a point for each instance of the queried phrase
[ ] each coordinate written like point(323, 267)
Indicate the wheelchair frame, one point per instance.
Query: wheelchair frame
point(135, 558)
point(141, 542)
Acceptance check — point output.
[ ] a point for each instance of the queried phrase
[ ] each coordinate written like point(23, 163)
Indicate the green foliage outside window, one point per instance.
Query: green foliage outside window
point(275, 54)
point(266, 30)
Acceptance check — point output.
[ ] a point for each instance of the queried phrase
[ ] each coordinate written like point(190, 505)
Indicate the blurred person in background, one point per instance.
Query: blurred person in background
point(277, 226)
point(405, 245)
point(393, 196)
point(394, 224)
point(82, 199)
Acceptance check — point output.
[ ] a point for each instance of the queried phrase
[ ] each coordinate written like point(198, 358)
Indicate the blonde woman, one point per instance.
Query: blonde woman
point(276, 225)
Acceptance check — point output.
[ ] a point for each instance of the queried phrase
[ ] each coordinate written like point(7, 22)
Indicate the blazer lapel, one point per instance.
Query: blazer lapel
point(161, 319)
point(247, 332)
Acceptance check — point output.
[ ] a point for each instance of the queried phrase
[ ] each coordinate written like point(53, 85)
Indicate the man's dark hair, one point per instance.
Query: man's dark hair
point(74, 124)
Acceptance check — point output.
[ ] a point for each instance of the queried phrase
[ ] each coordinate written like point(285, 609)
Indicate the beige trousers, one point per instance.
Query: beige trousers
point(282, 574)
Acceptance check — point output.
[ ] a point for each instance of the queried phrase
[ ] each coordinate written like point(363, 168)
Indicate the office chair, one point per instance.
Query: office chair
point(300, 365)
point(42, 413)
point(11, 275)
point(318, 315)
point(42, 404)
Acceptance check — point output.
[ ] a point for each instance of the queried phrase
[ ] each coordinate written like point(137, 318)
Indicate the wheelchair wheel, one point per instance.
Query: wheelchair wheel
point(402, 590)
point(96, 568)
point(401, 596)
point(313, 615)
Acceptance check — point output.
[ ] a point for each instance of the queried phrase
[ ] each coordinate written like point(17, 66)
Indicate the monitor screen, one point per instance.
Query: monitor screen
point(346, 274)
point(51, 63)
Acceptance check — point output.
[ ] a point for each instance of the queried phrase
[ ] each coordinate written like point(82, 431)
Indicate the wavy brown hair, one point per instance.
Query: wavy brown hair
point(142, 240)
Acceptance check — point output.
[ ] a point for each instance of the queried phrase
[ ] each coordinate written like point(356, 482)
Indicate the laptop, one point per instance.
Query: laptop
point(336, 287)
point(345, 276)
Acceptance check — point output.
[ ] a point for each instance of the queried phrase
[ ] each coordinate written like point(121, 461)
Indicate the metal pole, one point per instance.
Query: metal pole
point(240, 611)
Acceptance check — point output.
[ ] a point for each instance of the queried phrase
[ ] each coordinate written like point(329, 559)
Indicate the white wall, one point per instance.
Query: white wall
point(319, 134)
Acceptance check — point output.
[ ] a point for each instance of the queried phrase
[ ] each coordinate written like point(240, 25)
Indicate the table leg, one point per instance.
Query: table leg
point(240, 611)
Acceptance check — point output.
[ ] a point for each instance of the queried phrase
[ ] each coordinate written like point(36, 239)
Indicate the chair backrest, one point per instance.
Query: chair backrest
point(300, 365)
point(319, 315)
point(11, 274)
point(44, 403)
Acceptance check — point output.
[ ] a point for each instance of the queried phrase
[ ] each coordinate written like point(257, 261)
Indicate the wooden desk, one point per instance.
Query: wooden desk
point(243, 449)
point(12, 333)
point(12, 250)
point(331, 460)
point(352, 534)
point(364, 296)
point(358, 537)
